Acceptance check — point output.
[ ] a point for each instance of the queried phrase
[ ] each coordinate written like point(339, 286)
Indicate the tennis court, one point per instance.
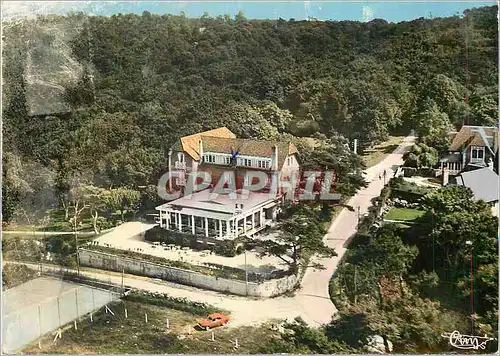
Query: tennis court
point(43, 305)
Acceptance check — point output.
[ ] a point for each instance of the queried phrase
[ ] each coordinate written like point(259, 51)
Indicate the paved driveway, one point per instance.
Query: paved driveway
point(314, 297)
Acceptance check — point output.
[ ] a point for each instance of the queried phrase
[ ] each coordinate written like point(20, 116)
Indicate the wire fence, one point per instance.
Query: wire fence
point(63, 303)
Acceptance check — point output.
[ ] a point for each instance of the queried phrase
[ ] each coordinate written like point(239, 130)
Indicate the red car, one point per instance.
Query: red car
point(214, 320)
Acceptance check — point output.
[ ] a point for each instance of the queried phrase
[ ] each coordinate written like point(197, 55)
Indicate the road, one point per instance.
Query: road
point(244, 311)
point(312, 301)
point(313, 297)
point(51, 233)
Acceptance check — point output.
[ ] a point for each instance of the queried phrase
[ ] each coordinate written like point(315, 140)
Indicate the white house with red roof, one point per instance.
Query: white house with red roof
point(226, 216)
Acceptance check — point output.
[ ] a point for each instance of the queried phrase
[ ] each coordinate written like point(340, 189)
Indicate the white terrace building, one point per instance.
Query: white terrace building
point(221, 218)
point(225, 216)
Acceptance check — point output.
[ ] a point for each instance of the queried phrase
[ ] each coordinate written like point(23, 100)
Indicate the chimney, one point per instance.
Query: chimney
point(170, 167)
point(200, 150)
point(446, 176)
point(491, 164)
point(274, 159)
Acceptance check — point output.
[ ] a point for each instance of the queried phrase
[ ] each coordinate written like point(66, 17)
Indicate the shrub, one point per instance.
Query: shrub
point(13, 275)
point(181, 304)
point(158, 234)
point(225, 248)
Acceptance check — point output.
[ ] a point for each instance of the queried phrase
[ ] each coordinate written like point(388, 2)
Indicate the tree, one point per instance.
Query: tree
point(444, 91)
point(432, 125)
point(131, 165)
point(333, 154)
point(421, 156)
point(452, 230)
point(28, 187)
point(297, 337)
point(123, 200)
point(279, 118)
point(459, 218)
point(95, 201)
point(451, 199)
point(299, 236)
point(484, 106)
point(386, 256)
point(246, 121)
point(411, 323)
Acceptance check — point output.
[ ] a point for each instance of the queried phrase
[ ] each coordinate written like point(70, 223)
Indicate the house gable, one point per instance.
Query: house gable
point(190, 144)
point(483, 136)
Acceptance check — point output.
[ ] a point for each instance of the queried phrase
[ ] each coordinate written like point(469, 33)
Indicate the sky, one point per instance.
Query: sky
point(392, 11)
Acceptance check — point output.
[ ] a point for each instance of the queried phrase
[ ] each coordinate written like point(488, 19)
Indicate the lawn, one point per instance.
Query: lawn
point(377, 153)
point(117, 334)
point(404, 214)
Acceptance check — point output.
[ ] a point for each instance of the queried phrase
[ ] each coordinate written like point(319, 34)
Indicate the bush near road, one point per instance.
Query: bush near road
point(14, 275)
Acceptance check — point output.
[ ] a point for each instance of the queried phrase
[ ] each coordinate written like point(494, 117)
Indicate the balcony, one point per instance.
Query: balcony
point(180, 165)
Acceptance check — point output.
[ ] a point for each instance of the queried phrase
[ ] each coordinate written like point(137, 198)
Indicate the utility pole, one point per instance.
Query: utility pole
point(467, 67)
point(355, 286)
point(433, 253)
point(76, 251)
point(246, 273)
point(123, 289)
point(471, 277)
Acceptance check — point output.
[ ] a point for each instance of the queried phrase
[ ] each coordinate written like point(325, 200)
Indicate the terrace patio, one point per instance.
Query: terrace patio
point(219, 216)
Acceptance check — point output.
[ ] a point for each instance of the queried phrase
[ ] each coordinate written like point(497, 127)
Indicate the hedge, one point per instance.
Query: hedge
point(226, 248)
point(210, 269)
point(181, 304)
point(407, 191)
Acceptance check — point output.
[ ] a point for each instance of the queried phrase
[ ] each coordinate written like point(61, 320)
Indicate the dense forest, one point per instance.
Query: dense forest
point(147, 80)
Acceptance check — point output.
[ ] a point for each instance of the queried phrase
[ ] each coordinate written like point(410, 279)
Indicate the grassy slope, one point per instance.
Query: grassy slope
point(376, 154)
point(117, 334)
point(404, 214)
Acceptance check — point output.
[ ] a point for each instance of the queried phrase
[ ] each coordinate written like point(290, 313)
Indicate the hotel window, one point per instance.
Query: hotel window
point(267, 164)
point(247, 162)
point(228, 160)
point(210, 158)
point(480, 153)
point(180, 157)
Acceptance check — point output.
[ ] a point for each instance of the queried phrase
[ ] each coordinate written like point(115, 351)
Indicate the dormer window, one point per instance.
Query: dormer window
point(477, 153)
point(209, 158)
point(181, 158)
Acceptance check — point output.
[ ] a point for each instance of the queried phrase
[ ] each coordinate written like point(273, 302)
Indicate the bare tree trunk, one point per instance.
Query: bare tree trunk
point(380, 294)
point(66, 209)
point(94, 221)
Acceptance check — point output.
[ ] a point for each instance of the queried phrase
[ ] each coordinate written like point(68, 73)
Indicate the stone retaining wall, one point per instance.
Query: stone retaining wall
point(106, 261)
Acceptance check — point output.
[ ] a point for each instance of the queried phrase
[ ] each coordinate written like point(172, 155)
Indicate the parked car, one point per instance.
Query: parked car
point(214, 320)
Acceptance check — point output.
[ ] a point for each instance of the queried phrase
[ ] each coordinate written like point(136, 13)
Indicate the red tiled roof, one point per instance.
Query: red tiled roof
point(245, 147)
point(191, 144)
point(471, 135)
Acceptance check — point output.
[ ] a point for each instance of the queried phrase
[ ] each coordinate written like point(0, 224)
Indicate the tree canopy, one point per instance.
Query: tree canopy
point(139, 82)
